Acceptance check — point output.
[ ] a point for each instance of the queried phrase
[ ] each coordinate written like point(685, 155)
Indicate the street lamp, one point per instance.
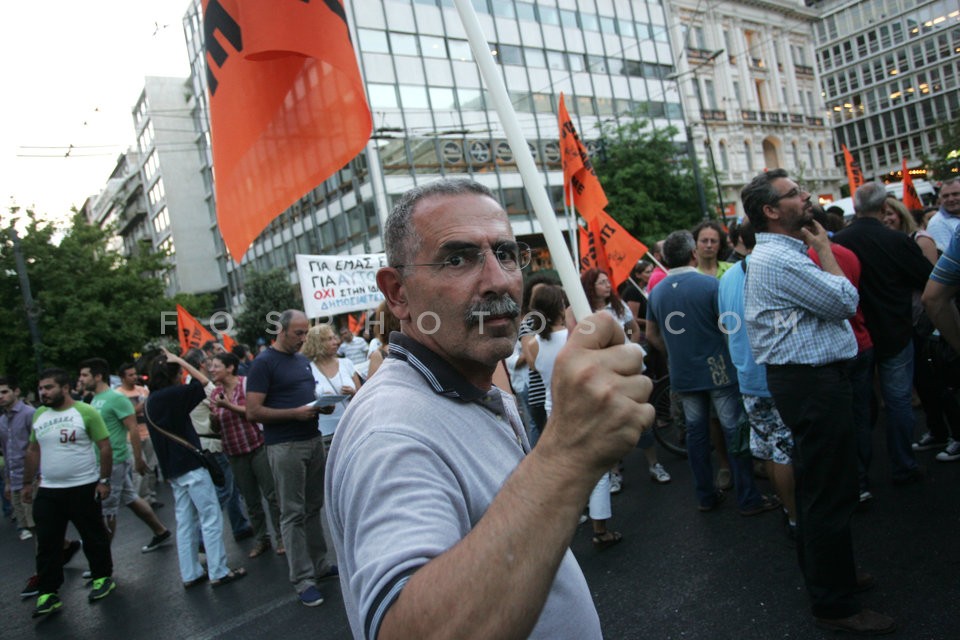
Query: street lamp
point(706, 129)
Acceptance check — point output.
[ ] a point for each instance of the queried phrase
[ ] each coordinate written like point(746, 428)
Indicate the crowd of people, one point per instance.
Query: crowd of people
point(483, 420)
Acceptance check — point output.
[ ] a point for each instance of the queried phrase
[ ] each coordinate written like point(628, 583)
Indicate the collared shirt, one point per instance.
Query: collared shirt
point(418, 458)
point(238, 436)
point(796, 313)
point(947, 269)
point(892, 268)
point(14, 438)
point(942, 227)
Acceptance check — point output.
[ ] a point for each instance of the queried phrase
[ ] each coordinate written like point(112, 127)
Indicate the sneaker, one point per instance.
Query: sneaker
point(25, 534)
point(927, 442)
point(156, 542)
point(47, 604)
point(865, 496)
point(724, 480)
point(311, 597)
point(332, 572)
point(101, 588)
point(658, 474)
point(86, 575)
point(951, 453)
point(32, 588)
point(616, 483)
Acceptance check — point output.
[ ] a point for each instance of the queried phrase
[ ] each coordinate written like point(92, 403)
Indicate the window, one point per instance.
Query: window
point(382, 96)
point(596, 64)
point(433, 47)
point(589, 22)
point(373, 41)
point(534, 57)
point(724, 160)
point(526, 11)
point(709, 95)
point(413, 97)
point(503, 9)
point(508, 54)
point(557, 60)
point(748, 156)
point(548, 15)
point(404, 44)
point(569, 19)
point(460, 50)
point(442, 98)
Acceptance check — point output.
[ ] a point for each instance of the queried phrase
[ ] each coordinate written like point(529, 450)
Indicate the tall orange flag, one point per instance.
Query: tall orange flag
point(910, 198)
point(287, 106)
point(192, 334)
point(592, 252)
point(854, 174)
point(578, 173)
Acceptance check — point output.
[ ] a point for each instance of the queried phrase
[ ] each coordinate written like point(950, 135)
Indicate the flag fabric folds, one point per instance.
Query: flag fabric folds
point(578, 173)
point(854, 174)
point(287, 106)
point(593, 255)
point(616, 246)
point(910, 198)
point(192, 334)
point(356, 323)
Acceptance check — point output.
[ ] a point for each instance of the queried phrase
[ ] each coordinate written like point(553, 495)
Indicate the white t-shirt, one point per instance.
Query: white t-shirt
point(68, 455)
point(546, 357)
point(331, 386)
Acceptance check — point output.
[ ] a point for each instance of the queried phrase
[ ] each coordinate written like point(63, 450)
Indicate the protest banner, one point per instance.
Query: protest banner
point(332, 285)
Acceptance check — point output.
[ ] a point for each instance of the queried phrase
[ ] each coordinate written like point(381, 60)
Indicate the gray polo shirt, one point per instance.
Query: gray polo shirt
point(417, 459)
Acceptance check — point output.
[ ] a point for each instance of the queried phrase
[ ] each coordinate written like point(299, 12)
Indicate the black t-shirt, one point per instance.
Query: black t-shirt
point(629, 293)
point(170, 409)
point(288, 382)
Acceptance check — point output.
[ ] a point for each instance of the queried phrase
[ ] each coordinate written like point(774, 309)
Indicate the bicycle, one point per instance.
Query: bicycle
point(669, 427)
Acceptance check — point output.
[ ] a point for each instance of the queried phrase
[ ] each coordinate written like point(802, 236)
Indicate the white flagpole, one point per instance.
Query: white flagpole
point(574, 227)
point(532, 181)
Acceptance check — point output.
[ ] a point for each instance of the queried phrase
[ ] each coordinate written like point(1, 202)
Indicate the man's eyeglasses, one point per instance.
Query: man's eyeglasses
point(512, 256)
point(793, 193)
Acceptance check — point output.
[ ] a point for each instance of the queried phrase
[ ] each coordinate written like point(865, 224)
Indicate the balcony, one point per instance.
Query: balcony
point(750, 116)
point(814, 122)
point(757, 63)
point(796, 118)
point(714, 115)
point(770, 116)
point(699, 55)
point(803, 70)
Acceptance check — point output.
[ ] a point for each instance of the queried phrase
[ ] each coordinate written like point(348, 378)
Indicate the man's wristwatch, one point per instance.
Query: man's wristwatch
point(105, 481)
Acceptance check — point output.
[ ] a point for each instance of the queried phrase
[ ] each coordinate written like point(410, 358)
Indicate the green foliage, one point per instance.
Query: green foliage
point(199, 305)
point(944, 160)
point(267, 295)
point(649, 182)
point(90, 301)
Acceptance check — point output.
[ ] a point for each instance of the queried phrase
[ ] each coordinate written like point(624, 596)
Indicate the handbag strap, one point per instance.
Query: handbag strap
point(181, 441)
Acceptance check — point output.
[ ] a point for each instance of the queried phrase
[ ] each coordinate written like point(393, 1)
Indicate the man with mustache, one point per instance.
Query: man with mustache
point(797, 319)
point(445, 522)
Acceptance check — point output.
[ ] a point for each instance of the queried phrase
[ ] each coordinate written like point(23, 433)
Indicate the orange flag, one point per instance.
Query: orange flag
point(592, 252)
point(356, 324)
point(910, 198)
point(228, 342)
point(192, 333)
point(578, 173)
point(622, 250)
point(287, 106)
point(854, 174)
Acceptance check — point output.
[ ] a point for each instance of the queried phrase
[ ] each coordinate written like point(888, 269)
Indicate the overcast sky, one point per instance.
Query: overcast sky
point(71, 74)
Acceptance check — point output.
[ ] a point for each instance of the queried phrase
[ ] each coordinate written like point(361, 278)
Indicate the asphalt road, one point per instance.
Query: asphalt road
point(677, 574)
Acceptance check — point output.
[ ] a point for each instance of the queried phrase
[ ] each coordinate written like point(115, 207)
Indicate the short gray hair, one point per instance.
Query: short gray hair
point(677, 249)
point(869, 198)
point(400, 238)
point(287, 317)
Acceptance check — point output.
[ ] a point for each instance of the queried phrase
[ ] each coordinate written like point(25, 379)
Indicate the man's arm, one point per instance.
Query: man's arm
point(815, 236)
point(495, 581)
point(130, 422)
point(938, 300)
point(654, 339)
point(31, 462)
point(106, 466)
point(257, 412)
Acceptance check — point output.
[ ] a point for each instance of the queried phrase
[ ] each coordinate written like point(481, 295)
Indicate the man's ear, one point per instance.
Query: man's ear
point(771, 212)
point(395, 291)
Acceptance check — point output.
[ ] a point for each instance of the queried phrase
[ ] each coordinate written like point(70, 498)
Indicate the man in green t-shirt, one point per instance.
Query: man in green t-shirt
point(63, 446)
point(121, 420)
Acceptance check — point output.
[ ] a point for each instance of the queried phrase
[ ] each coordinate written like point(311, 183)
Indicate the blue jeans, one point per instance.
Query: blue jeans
point(896, 382)
point(696, 409)
point(229, 496)
point(197, 508)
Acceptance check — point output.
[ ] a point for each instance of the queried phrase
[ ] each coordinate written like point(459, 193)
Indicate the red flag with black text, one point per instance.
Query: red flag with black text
point(192, 334)
point(287, 106)
point(592, 252)
point(578, 173)
point(910, 198)
point(620, 250)
point(854, 174)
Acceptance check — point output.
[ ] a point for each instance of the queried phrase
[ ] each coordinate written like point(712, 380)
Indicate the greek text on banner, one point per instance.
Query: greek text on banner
point(339, 284)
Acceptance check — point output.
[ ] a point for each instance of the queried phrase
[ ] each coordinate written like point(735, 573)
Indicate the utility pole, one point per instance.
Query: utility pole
point(28, 303)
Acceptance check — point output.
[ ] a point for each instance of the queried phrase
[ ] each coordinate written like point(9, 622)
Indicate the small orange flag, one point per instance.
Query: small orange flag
point(228, 342)
point(356, 324)
point(578, 172)
point(854, 174)
point(608, 242)
point(592, 252)
point(910, 198)
point(287, 106)
point(192, 334)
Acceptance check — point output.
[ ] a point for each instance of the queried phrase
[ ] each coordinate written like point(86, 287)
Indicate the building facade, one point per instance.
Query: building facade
point(751, 93)
point(122, 204)
point(890, 72)
point(432, 116)
point(171, 178)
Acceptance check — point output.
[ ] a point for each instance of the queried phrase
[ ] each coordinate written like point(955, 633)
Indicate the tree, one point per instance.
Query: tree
point(89, 300)
point(648, 179)
point(267, 295)
point(944, 160)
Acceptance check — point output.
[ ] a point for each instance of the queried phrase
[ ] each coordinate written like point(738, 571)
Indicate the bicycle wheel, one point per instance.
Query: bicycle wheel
point(668, 428)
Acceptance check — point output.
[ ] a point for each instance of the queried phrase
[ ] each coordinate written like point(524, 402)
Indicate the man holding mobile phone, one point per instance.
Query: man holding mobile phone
point(63, 444)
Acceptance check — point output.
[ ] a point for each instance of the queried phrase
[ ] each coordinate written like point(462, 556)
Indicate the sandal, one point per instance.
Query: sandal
point(606, 539)
point(234, 574)
point(262, 547)
point(196, 581)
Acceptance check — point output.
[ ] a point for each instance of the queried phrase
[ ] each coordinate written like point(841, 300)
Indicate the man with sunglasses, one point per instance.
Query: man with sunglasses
point(445, 522)
point(797, 319)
